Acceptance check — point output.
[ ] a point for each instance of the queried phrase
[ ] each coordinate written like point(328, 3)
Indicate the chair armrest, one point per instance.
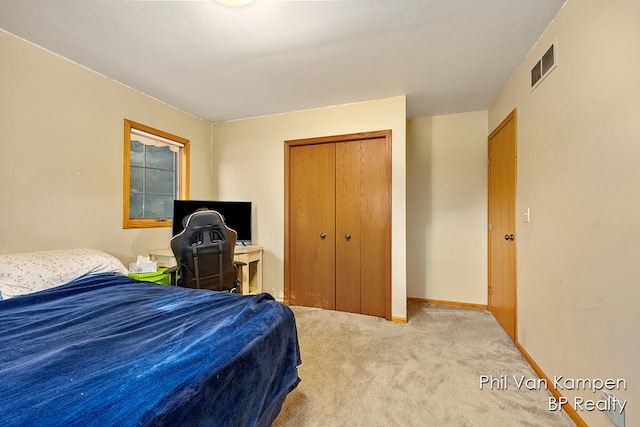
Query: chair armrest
point(238, 287)
point(173, 272)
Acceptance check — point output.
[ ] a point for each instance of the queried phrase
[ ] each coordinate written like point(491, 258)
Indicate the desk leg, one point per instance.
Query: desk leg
point(259, 274)
point(245, 278)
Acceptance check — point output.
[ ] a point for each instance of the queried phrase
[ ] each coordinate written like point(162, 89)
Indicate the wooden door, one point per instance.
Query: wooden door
point(363, 226)
point(361, 233)
point(502, 237)
point(312, 225)
point(348, 226)
point(375, 246)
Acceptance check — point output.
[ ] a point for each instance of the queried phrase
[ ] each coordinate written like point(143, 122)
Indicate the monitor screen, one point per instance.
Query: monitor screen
point(237, 215)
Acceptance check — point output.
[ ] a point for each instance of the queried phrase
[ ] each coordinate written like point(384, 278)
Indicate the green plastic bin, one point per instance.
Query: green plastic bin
point(155, 277)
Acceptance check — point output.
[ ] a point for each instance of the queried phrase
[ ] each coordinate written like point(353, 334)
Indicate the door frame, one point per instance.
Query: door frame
point(327, 140)
point(513, 116)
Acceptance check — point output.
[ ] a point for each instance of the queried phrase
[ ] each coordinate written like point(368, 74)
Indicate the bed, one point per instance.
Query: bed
point(107, 350)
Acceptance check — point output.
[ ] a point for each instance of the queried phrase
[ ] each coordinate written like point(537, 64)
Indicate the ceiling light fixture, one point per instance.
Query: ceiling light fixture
point(236, 2)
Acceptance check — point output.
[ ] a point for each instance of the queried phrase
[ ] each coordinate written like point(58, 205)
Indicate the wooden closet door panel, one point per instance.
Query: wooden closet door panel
point(375, 202)
point(312, 213)
point(348, 234)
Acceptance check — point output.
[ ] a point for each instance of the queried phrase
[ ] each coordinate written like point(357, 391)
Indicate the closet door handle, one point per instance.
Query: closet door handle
point(347, 236)
point(322, 236)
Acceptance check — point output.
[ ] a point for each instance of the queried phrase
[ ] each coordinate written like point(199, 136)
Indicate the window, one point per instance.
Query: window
point(156, 172)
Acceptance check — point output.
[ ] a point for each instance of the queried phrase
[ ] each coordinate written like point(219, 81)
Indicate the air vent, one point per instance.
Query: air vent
point(536, 74)
point(544, 66)
point(547, 61)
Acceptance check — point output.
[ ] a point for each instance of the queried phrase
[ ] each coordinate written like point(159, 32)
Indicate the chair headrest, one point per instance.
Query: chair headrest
point(203, 218)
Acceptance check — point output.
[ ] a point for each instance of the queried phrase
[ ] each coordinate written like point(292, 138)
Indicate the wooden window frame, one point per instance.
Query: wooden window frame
point(183, 186)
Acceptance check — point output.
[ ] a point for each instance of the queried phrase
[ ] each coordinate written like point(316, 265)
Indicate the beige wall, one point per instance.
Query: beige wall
point(578, 172)
point(250, 158)
point(447, 207)
point(61, 137)
point(62, 126)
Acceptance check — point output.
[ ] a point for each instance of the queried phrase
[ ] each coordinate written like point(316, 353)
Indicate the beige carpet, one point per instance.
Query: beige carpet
point(364, 371)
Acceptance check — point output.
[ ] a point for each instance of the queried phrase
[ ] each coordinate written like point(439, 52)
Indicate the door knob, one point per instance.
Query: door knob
point(508, 237)
point(347, 236)
point(322, 236)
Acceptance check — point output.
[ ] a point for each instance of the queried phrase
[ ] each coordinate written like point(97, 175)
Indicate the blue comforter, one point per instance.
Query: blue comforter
point(106, 350)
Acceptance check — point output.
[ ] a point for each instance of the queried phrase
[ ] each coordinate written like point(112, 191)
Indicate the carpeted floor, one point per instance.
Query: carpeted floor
point(365, 371)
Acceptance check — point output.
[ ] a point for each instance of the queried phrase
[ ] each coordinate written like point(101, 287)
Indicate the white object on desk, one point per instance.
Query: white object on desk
point(250, 275)
point(143, 265)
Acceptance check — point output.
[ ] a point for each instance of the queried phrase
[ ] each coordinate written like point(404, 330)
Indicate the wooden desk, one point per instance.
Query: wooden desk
point(250, 275)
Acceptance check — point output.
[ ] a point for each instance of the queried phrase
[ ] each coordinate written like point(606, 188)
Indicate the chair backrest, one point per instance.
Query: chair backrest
point(204, 252)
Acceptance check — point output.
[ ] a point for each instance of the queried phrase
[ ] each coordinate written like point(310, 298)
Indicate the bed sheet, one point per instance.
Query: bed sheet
point(107, 350)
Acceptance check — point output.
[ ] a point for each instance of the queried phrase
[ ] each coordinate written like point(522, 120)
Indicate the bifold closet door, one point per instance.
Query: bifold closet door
point(348, 225)
point(339, 215)
point(363, 226)
point(312, 225)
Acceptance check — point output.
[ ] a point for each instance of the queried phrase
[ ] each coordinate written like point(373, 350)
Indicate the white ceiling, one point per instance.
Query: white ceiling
point(221, 63)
